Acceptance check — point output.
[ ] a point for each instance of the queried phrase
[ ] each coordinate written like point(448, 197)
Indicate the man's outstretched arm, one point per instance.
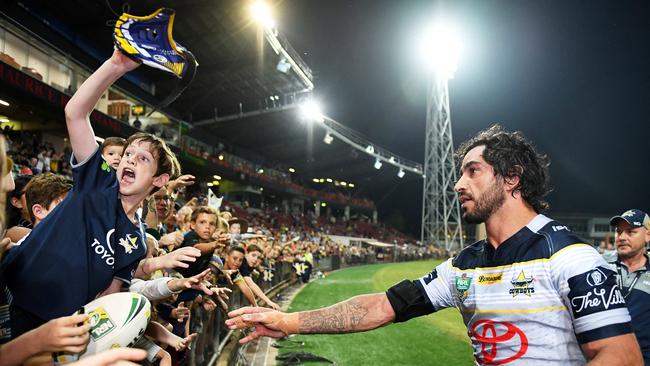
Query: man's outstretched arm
point(357, 314)
point(78, 109)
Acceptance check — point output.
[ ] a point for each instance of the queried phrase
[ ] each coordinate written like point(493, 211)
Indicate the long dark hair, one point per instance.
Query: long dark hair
point(511, 155)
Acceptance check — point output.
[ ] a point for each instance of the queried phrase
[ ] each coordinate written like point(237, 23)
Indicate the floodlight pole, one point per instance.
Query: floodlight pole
point(441, 219)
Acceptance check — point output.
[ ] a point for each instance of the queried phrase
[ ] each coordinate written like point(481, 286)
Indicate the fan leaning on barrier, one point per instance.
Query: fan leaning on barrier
point(148, 39)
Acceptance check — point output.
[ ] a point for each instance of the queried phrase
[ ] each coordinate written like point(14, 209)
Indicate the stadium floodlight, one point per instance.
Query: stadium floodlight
point(216, 183)
point(315, 180)
point(261, 12)
point(217, 177)
point(292, 170)
point(344, 184)
point(440, 49)
point(322, 180)
point(401, 173)
point(328, 138)
point(370, 149)
point(260, 171)
point(210, 184)
point(378, 164)
point(323, 204)
point(329, 180)
point(6, 104)
point(312, 111)
point(350, 185)
point(220, 157)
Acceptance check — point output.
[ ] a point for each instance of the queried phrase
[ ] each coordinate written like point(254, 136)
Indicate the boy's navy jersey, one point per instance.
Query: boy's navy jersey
point(532, 301)
point(635, 287)
point(74, 254)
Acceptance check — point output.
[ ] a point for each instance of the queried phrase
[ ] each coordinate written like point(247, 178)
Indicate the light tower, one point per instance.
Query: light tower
point(441, 219)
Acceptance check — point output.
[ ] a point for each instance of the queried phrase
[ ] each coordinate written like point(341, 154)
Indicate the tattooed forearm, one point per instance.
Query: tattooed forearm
point(349, 316)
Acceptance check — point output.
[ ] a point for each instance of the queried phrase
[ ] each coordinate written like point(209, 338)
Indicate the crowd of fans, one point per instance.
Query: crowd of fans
point(204, 251)
point(91, 221)
point(31, 156)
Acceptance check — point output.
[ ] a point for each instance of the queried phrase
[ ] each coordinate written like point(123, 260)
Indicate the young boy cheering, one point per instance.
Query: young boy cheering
point(93, 242)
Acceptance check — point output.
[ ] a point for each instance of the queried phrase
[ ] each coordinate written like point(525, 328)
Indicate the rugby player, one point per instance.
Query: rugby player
point(532, 293)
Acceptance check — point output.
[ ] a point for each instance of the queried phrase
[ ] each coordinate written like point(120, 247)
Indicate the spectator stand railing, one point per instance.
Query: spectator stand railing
point(212, 333)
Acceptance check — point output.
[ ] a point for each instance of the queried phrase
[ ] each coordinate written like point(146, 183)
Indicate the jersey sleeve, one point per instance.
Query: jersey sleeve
point(126, 274)
point(430, 293)
point(92, 174)
point(588, 287)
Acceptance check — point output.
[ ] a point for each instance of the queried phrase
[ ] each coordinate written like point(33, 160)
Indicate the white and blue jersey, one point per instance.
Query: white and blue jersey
point(532, 301)
point(74, 254)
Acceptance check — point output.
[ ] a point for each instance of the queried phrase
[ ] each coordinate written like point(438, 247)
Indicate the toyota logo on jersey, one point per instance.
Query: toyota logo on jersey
point(501, 342)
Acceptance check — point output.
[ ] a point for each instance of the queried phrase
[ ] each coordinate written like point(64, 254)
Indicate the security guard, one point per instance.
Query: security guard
point(631, 263)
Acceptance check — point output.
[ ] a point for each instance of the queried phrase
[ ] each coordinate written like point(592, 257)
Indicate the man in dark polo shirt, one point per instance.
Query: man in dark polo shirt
point(630, 261)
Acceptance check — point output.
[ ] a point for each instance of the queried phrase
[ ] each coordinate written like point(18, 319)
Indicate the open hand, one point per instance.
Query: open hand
point(184, 181)
point(267, 322)
point(64, 334)
point(180, 313)
point(178, 257)
point(172, 239)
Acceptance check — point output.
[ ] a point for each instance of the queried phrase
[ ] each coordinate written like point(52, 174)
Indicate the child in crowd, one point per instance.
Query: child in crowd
point(93, 242)
point(231, 264)
point(111, 149)
point(203, 224)
point(42, 194)
point(251, 260)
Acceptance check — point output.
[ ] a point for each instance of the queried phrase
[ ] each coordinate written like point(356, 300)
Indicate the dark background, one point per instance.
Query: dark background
point(572, 75)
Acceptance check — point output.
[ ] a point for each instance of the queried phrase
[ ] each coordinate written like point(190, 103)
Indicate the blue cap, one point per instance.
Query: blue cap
point(634, 217)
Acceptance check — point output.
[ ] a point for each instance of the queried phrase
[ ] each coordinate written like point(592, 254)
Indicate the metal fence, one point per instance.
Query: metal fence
point(213, 335)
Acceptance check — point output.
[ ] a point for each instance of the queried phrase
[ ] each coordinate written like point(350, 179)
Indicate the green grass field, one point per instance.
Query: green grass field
point(437, 339)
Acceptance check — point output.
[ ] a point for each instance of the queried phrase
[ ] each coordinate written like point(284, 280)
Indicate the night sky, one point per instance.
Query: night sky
point(574, 76)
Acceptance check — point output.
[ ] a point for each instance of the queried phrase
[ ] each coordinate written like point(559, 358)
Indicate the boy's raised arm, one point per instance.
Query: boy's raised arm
point(82, 103)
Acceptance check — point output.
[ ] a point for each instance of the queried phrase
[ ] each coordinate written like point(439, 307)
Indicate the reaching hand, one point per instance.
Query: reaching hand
point(196, 282)
point(177, 257)
point(113, 357)
point(183, 343)
point(64, 334)
point(184, 181)
point(123, 62)
point(209, 305)
point(180, 313)
point(172, 239)
point(273, 305)
point(267, 322)
point(222, 238)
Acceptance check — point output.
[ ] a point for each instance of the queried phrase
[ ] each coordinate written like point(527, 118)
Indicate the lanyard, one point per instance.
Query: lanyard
point(620, 281)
